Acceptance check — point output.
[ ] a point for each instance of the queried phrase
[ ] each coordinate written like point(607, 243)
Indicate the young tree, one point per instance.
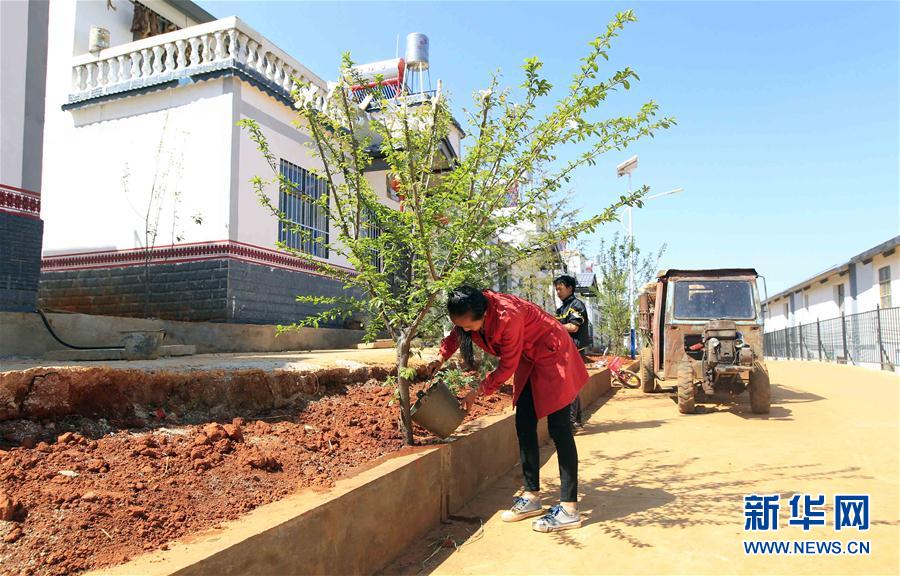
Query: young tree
point(406, 261)
point(162, 195)
point(612, 291)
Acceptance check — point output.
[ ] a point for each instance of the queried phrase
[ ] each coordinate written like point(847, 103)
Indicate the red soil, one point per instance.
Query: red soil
point(76, 503)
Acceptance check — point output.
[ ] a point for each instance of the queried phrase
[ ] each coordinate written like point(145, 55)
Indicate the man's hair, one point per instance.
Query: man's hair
point(466, 300)
point(567, 280)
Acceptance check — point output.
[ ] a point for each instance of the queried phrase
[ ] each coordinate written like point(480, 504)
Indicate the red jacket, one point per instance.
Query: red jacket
point(531, 344)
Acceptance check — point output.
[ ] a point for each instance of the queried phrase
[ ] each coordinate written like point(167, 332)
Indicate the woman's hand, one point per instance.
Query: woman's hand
point(433, 366)
point(469, 399)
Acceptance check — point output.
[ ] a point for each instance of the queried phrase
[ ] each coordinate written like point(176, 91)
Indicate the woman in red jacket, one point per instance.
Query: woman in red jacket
point(548, 371)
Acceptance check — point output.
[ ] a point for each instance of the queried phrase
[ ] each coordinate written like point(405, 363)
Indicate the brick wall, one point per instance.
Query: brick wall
point(212, 290)
point(185, 291)
point(263, 295)
point(20, 261)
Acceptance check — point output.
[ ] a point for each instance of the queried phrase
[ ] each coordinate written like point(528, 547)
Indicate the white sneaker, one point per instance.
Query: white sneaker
point(557, 519)
point(523, 508)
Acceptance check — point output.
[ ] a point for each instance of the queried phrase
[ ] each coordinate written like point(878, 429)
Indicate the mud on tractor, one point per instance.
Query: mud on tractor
point(704, 329)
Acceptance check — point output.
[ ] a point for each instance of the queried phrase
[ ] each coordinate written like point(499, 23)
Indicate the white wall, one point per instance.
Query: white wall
point(179, 138)
point(116, 19)
point(822, 303)
point(88, 151)
point(822, 297)
point(455, 137)
point(101, 160)
point(868, 288)
point(13, 43)
point(96, 13)
point(256, 225)
point(576, 262)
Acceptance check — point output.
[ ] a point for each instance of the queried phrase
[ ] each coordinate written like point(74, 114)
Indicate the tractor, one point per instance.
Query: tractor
point(704, 329)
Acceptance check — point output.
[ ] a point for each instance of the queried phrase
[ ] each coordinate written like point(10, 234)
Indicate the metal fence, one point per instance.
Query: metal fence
point(866, 338)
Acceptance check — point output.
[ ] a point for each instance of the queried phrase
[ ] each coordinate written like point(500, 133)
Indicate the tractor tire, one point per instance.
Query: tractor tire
point(685, 389)
point(760, 390)
point(648, 378)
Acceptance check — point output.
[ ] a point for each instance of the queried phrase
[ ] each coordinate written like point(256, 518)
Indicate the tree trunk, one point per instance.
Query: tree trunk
point(403, 346)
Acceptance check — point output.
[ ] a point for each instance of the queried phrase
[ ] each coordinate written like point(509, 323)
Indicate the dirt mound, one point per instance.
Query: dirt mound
point(77, 503)
point(128, 397)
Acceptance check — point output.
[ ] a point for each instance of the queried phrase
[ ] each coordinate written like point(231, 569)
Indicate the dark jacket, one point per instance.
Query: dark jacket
point(573, 311)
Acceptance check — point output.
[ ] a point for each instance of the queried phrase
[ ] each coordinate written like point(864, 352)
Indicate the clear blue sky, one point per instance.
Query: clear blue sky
point(788, 113)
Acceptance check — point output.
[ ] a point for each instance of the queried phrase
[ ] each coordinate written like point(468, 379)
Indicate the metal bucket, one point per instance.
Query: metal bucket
point(438, 411)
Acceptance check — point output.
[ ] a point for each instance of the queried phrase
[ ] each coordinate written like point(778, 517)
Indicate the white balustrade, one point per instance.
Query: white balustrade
point(286, 81)
point(181, 51)
point(205, 48)
point(232, 43)
point(135, 64)
point(157, 60)
point(277, 77)
point(251, 53)
point(146, 68)
point(78, 78)
point(123, 70)
point(170, 56)
point(261, 61)
point(196, 49)
point(220, 45)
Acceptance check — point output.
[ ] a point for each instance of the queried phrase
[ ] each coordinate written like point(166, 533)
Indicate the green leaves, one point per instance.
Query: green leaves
point(612, 270)
point(466, 217)
point(456, 380)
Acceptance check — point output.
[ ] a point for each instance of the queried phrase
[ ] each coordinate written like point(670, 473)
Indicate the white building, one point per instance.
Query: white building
point(863, 283)
point(23, 58)
point(146, 170)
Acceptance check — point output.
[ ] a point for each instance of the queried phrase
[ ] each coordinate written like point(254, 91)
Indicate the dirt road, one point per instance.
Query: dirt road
point(663, 493)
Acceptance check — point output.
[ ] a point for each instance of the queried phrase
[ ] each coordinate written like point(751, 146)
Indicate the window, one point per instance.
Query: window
point(787, 312)
point(704, 299)
point(884, 286)
point(806, 302)
point(305, 223)
point(369, 228)
point(839, 297)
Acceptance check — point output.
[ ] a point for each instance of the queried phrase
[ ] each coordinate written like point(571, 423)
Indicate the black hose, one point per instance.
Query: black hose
point(72, 346)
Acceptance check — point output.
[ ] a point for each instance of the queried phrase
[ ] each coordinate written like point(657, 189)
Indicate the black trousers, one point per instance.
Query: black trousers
point(575, 407)
point(560, 428)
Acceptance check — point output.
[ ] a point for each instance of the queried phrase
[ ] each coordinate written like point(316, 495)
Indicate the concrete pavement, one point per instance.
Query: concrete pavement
point(301, 360)
point(663, 493)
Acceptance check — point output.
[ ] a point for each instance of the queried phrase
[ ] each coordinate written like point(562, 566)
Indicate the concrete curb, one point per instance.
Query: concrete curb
point(24, 334)
point(364, 522)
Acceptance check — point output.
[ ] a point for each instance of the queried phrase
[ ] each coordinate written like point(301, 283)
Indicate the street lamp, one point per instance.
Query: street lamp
point(627, 167)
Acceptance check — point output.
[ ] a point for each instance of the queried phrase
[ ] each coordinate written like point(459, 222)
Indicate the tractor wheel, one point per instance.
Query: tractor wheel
point(760, 390)
point(685, 388)
point(648, 378)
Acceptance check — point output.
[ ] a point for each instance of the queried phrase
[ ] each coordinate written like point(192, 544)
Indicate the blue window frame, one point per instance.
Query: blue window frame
point(299, 205)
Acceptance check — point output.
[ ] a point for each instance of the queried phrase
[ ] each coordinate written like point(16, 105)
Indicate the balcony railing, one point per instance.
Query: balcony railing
point(225, 44)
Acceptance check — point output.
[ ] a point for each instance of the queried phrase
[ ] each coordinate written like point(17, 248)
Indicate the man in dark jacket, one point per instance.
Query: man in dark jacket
point(574, 318)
